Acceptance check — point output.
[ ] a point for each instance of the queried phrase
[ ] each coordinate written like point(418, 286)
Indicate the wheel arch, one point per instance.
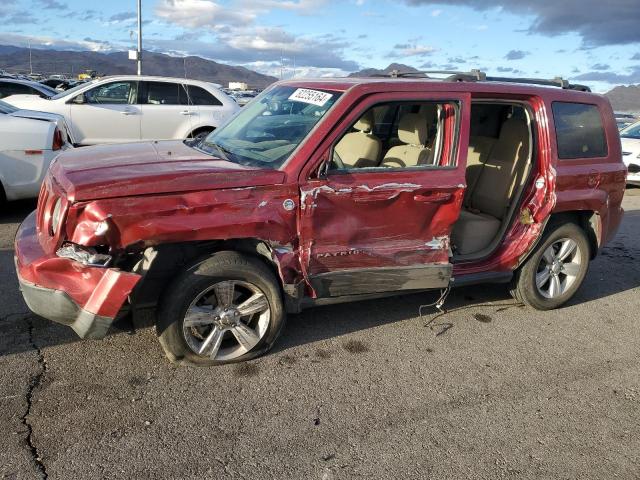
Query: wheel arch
point(588, 220)
point(160, 264)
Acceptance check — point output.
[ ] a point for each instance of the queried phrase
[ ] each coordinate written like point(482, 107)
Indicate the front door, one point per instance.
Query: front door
point(378, 216)
point(108, 113)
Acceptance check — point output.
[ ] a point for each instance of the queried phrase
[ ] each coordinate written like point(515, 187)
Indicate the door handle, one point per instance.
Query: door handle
point(433, 197)
point(186, 112)
point(128, 112)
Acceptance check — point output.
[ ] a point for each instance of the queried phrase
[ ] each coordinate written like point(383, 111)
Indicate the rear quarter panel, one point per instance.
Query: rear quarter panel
point(591, 184)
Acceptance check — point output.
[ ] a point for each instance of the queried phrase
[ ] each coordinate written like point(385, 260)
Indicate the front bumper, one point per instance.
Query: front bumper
point(87, 299)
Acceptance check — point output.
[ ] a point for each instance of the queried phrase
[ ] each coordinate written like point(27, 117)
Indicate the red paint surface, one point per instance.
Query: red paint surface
point(101, 291)
point(392, 218)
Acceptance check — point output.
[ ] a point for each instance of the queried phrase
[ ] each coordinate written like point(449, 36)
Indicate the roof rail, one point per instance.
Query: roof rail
point(453, 76)
point(554, 82)
point(476, 75)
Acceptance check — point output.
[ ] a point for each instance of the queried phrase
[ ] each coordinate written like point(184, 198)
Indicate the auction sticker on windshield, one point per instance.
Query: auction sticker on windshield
point(314, 97)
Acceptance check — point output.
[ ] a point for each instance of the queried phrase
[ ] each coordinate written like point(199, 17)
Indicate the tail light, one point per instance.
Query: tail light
point(57, 140)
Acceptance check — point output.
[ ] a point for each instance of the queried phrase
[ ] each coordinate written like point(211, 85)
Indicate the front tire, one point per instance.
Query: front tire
point(226, 308)
point(556, 269)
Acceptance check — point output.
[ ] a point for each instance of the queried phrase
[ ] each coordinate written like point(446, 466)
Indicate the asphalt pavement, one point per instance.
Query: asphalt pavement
point(491, 389)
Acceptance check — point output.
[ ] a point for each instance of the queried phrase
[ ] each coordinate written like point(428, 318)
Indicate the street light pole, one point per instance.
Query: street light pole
point(30, 62)
point(139, 37)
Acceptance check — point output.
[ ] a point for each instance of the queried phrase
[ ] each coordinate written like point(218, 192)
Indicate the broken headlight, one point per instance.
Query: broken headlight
point(56, 216)
point(84, 255)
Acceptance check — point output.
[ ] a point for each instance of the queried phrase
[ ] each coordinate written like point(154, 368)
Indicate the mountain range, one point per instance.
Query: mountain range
point(71, 63)
point(16, 59)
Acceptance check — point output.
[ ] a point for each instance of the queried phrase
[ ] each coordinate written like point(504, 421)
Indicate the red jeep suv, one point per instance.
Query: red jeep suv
point(327, 191)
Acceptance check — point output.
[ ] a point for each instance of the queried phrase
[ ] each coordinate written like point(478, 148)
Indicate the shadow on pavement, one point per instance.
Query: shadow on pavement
point(15, 212)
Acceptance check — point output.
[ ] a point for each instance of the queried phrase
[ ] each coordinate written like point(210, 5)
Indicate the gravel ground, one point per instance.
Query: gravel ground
point(491, 389)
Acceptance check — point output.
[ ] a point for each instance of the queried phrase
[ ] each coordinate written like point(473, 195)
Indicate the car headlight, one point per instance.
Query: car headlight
point(56, 216)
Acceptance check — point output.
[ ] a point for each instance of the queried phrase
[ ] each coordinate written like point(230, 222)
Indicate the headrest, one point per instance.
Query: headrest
point(365, 122)
point(514, 128)
point(412, 129)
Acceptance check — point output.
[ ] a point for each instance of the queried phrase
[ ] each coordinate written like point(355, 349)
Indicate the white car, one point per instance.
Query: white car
point(630, 138)
point(29, 141)
point(123, 109)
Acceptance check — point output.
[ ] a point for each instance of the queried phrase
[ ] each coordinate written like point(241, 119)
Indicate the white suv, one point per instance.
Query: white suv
point(122, 109)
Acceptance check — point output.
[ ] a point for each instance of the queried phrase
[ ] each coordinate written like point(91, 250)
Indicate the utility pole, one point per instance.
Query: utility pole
point(30, 63)
point(139, 37)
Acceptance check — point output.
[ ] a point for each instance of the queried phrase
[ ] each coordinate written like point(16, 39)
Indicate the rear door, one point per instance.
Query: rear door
point(386, 228)
point(107, 113)
point(166, 113)
point(209, 109)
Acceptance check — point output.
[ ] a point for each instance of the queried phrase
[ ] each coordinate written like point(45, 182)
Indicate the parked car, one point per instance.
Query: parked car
point(127, 108)
point(630, 138)
point(242, 98)
point(10, 86)
point(59, 84)
point(327, 191)
point(624, 119)
point(30, 142)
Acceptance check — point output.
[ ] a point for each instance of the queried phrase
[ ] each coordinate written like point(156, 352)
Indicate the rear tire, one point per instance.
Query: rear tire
point(225, 309)
point(556, 269)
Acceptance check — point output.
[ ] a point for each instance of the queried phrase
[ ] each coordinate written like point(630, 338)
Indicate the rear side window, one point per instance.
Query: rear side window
point(165, 93)
point(8, 89)
point(199, 96)
point(579, 130)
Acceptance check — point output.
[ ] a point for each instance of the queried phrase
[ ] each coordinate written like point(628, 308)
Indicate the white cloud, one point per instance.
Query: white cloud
point(240, 38)
point(51, 43)
point(411, 50)
point(202, 14)
point(300, 6)
point(288, 70)
point(436, 13)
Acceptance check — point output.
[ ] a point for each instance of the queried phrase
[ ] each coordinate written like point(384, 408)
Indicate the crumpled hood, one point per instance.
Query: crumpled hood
point(145, 168)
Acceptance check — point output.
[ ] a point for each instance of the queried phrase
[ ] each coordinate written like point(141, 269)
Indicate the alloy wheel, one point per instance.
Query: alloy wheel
point(558, 268)
point(226, 320)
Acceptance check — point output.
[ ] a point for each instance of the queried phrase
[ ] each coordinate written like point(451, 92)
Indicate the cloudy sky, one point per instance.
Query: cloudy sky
point(592, 41)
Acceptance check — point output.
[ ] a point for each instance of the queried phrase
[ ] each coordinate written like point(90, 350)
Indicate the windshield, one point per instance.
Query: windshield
point(6, 108)
point(632, 131)
point(71, 91)
point(271, 127)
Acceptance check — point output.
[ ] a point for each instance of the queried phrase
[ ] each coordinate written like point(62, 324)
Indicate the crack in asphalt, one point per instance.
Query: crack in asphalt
point(36, 380)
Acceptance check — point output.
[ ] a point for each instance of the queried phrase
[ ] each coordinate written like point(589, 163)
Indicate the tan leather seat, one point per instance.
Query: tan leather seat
point(412, 132)
point(491, 196)
point(360, 148)
point(478, 154)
